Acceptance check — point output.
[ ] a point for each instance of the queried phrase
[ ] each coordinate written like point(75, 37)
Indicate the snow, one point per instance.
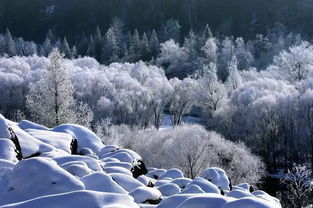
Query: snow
point(7, 150)
point(77, 168)
point(58, 140)
point(108, 149)
point(250, 202)
point(38, 177)
point(127, 182)
point(156, 173)
point(84, 137)
point(102, 182)
point(83, 199)
point(216, 176)
point(172, 173)
point(193, 189)
point(6, 164)
point(132, 154)
point(117, 170)
point(143, 194)
point(169, 189)
point(24, 124)
point(91, 163)
point(205, 201)
point(205, 185)
point(181, 182)
point(29, 144)
point(102, 176)
point(4, 132)
point(123, 157)
point(239, 194)
point(174, 201)
point(117, 164)
point(162, 182)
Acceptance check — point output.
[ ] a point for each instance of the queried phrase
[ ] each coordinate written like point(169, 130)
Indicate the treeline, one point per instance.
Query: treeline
point(162, 48)
point(242, 18)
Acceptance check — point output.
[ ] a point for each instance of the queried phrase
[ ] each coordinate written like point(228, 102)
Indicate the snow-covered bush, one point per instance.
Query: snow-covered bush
point(190, 148)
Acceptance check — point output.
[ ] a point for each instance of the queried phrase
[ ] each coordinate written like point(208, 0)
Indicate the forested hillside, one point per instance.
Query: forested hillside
point(31, 19)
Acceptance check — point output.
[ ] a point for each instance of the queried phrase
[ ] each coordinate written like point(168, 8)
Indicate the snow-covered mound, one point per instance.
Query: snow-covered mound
point(69, 167)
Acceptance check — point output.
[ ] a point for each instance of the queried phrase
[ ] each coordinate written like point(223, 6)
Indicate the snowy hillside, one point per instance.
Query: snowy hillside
point(69, 167)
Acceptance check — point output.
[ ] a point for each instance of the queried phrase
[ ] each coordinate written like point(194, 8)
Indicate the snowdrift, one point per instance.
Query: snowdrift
point(54, 171)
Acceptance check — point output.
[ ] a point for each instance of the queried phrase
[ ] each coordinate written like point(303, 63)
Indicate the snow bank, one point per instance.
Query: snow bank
point(250, 202)
point(84, 137)
point(24, 124)
point(103, 176)
point(38, 177)
point(58, 140)
point(205, 201)
point(79, 199)
point(127, 182)
point(216, 176)
point(7, 150)
point(146, 194)
point(29, 144)
point(205, 185)
point(102, 182)
point(4, 132)
point(169, 189)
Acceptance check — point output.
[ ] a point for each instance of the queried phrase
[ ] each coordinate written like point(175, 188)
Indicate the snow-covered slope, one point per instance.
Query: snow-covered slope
point(50, 176)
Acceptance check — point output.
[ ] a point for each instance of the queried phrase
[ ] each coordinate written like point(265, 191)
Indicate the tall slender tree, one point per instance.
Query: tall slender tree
point(50, 100)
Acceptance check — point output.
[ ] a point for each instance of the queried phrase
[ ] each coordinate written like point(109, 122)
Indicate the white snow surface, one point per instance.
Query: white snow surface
point(85, 137)
point(102, 176)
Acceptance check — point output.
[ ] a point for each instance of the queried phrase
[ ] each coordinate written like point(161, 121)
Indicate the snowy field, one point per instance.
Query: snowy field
point(64, 174)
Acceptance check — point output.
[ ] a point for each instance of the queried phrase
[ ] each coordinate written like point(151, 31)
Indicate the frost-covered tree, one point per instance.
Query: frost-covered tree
point(83, 114)
point(46, 47)
point(172, 58)
point(295, 63)
point(233, 80)
point(210, 92)
point(207, 33)
point(210, 51)
point(10, 48)
point(243, 54)
point(299, 187)
point(111, 48)
point(182, 99)
point(192, 149)
point(50, 100)
point(226, 54)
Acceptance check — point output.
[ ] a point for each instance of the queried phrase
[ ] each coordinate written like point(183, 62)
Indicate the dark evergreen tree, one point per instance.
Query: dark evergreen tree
point(154, 44)
point(145, 48)
point(171, 30)
point(91, 48)
point(135, 47)
point(66, 49)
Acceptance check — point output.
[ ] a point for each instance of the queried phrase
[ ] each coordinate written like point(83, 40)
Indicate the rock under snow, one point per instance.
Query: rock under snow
point(36, 177)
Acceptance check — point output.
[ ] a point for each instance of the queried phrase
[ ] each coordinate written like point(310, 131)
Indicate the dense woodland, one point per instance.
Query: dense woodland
point(31, 19)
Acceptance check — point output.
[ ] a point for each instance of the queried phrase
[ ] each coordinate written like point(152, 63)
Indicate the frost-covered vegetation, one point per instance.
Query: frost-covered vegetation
point(268, 110)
